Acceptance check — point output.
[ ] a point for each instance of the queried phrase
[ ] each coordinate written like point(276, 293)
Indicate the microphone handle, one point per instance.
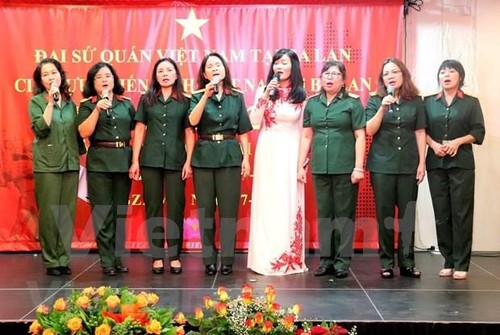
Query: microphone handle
point(216, 89)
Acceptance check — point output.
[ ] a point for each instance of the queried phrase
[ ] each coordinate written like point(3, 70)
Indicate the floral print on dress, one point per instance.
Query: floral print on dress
point(292, 259)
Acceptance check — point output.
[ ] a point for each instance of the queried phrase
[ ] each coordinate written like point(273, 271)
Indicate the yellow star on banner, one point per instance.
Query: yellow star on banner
point(191, 25)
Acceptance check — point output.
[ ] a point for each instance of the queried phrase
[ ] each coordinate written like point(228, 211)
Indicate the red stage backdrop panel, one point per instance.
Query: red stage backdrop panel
point(133, 38)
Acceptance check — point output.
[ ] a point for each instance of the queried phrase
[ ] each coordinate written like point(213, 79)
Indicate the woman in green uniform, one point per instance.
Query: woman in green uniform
point(165, 151)
point(334, 125)
point(396, 119)
point(106, 118)
point(218, 112)
point(455, 123)
point(56, 163)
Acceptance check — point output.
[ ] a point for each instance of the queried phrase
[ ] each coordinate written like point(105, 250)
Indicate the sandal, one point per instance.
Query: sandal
point(460, 275)
point(412, 272)
point(446, 272)
point(387, 273)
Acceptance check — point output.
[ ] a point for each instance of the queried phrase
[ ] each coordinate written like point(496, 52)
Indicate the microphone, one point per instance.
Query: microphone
point(216, 86)
point(56, 95)
point(105, 95)
point(390, 91)
point(275, 92)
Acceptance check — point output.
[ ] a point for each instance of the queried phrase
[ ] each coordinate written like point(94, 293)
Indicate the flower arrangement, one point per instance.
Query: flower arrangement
point(324, 329)
point(105, 311)
point(244, 315)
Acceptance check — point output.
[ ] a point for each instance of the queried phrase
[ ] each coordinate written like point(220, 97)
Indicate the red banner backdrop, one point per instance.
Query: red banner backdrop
point(133, 38)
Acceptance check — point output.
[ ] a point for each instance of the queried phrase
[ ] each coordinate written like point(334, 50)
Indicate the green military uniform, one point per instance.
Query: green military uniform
point(217, 161)
point(108, 161)
point(393, 161)
point(163, 155)
point(56, 165)
point(332, 162)
point(451, 179)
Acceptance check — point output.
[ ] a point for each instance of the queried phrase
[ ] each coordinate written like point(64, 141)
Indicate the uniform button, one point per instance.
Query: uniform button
point(164, 134)
point(445, 135)
point(446, 116)
point(164, 114)
point(220, 115)
point(114, 127)
point(399, 148)
point(446, 126)
point(117, 137)
point(114, 118)
point(220, 124)
point(399, 117)
point(162, 143)
point(220, 106)
point(399, 127)
point(164, 125)
point(399, 137)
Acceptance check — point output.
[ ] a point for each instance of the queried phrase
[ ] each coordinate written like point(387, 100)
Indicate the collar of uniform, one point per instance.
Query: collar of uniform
point(460, 95)
point(339, 96)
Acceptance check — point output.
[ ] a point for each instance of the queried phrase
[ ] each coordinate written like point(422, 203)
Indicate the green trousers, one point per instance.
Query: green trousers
point(336, 199)
point(108, 195)
point(223, 184)
point(56, 194)
point(452, 192)
point(393, 191)
point(157, 184)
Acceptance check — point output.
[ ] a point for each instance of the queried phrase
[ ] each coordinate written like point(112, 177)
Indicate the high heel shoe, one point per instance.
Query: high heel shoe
point(387, 273)
point(175, 269)
point(158, 270)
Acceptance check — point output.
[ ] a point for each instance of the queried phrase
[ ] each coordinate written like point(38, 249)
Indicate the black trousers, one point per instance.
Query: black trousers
point(391, 191)
point(224, 186)
point(452, 192)
point(157, 185)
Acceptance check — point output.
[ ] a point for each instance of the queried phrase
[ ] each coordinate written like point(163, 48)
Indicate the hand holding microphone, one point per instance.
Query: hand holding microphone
point(105, 96)
point(389, 99)
point(274, 92)
point(55, 91)
point(216, 81)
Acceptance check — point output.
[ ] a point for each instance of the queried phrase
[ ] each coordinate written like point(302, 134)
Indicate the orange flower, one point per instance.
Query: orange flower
point(142, 300)
point(180, 318)
point(89, 292)
point(270, 294)
point(103, 329)
point(259, 318)
point(221, 308)
point(112, 301)
point(198, 313)
point(297, 309)
point(154, 327)
point(48, 332)
point(74, 324)
point(208, 302)
point(274, 307)
point(60, 305)
point(180, 331)
point(153, 299)
point(269, 290)
point(35, 328)
point(267, 327)
point(289, 320)
point(247, 297)
point(43, 309)
point(83, 302)
point(222, 293)
point(250, 323)
point(247, 289)
point(101, 290)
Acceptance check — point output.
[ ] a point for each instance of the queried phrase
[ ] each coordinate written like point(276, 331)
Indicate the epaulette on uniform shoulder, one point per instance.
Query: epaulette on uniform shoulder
point(126, 98)
point(187, 95)
point(199, 91)
point(237, 90)
point(374, 93)
point(86, 99)
point(314, 95)
point(352, 95)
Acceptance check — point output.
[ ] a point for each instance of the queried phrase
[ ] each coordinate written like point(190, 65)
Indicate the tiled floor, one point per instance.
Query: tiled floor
point(362, 297)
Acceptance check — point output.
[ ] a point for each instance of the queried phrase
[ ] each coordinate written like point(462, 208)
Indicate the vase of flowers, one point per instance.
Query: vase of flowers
point(244, 315)
point(324, 328)
point(105, 311)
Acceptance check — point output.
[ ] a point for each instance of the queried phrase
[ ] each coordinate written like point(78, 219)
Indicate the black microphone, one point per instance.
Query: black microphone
point(390, 91)
point(275, 92)
point(105, 95)
point(216, 86)
point(56, 94)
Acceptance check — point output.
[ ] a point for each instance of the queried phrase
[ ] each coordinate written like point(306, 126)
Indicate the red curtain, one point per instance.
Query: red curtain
point(133, 37)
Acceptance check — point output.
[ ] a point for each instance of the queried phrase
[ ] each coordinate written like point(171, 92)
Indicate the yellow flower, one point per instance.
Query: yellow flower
point(222, 293)
point(43, 309)
point(154, 327)
point(247, 289)
point(296, 309)
point(198, 313)
point(208, 302)
point(88, 291)
point(180, 331)
point(48, 332)
point(35, 328)
point(83, 302)
point(101, 291)
point(103, 329)
point(74, 324)
point(60, 305)
point(153, 298)
point(221, 308)
point(112, 301)
point(180, 318)
point(142, 300)
point(289, 321)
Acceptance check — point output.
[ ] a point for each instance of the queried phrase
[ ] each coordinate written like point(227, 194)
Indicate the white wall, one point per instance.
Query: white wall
point(467, 30)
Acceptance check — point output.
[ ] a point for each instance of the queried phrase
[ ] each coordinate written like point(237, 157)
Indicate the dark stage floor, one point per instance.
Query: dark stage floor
point(363, 297)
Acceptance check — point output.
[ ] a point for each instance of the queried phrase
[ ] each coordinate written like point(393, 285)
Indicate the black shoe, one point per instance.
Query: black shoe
point(323, 271)
point(387, 273)
point(340, 273)
point(176, 270)
point(412, 272)
point(53, 272)
point(65, 270)
point(121, 269)
point(226, 270)
point(109, 271)
point(210, 269)
point(158, 270)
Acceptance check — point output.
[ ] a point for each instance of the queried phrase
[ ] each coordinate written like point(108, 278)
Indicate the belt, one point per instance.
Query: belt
point(216, 137)
point(119, 144)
